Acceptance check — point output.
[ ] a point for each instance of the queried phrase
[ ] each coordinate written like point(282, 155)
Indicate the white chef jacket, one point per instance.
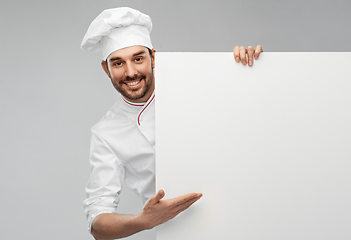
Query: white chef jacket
point(122, 150)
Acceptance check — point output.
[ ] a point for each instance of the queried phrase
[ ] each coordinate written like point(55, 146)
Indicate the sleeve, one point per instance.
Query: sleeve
point(105, 182)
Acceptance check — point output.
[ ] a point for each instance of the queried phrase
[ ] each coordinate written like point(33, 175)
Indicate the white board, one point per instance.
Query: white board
point(268, 146)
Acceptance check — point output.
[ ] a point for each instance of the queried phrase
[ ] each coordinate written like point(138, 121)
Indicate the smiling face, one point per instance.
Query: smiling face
point(131, 72)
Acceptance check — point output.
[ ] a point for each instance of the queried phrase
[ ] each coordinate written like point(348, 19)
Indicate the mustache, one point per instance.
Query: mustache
point(135, 77)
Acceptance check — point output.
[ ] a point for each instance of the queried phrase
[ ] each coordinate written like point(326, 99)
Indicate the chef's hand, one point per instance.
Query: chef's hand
point(157, 211)
point(240, 54)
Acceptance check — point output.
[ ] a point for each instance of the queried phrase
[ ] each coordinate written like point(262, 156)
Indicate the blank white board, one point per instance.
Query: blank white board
point(268, 146)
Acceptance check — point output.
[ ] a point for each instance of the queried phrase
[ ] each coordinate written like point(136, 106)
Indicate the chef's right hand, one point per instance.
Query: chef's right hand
point(157, 211)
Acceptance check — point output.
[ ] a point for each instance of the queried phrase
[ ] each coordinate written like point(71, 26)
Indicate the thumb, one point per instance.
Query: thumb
point(159, 195)
point(154, 199)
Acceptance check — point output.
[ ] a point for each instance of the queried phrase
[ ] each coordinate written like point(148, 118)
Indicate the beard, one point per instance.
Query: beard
point(134, 94)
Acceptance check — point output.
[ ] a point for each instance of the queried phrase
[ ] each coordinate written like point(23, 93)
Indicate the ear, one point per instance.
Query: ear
point(153, 57)
point(105, 67)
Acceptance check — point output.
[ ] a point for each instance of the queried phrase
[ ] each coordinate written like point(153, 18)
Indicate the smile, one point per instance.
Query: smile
point(133, 83)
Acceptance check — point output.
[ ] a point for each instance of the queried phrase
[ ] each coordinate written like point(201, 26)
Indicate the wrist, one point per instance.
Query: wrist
point(142, 222)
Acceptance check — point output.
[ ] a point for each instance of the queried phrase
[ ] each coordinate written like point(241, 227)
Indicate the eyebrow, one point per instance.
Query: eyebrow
point(139, 53)
point(135, 54)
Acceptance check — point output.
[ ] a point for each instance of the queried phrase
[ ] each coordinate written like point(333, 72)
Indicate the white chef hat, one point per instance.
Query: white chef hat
point(118, 28)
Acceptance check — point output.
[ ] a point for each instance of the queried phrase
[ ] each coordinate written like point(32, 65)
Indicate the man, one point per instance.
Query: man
point(123, 142)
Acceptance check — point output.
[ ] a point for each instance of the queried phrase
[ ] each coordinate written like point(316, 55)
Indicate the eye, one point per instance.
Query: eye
point(117, 63)
point(138, 59)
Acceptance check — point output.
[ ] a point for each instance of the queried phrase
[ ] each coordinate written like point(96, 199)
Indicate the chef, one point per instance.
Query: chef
point(123, 141)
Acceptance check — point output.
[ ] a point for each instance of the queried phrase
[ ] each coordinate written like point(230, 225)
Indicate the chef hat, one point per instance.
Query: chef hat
point(117, 28)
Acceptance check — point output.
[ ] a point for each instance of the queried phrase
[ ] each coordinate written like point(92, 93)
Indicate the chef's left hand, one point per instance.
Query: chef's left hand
point(240, 54)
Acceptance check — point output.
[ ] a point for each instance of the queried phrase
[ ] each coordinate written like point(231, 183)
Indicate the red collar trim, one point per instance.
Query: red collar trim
point(145, 108)
point(133, 104)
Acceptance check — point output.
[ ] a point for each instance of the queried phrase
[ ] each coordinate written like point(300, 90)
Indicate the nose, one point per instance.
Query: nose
point(130, 70)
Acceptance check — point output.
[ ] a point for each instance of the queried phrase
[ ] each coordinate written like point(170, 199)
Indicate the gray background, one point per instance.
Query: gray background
point(51, 92)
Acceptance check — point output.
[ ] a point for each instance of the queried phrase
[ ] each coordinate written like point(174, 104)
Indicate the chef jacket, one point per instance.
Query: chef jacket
point(122, 150)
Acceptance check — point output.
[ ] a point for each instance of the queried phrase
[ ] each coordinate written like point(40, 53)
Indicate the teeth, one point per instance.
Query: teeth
point(133, 83)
